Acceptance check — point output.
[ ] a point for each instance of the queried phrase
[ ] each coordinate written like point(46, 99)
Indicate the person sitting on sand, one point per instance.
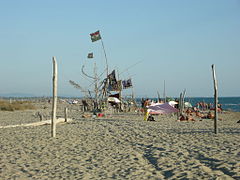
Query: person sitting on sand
point(198, 114)
point(190, 118)
point(186, 118)
point(188, 111)
point(219, 108)
point(182, 118)
point(210, 115)
point(150, 118)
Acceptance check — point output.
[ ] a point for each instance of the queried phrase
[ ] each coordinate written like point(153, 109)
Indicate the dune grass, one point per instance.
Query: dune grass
point(15, 105)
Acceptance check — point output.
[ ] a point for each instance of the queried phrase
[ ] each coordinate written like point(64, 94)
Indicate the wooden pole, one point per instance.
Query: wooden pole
point(215, 99)
point(40, 115)
point(180, 103)
point(183, 100)
point(96, 86)
point(164, 91)
point(54, 101)
point(179, 106)
point(105, 56)
point(66, 114)
point(120, 93)
point(106, 95)
point(133, 97)
point(158, 95)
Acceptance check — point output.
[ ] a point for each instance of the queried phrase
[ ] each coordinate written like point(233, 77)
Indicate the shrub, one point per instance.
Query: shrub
point(16, 105)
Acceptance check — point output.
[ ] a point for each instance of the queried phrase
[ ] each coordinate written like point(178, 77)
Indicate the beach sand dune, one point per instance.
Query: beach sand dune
point(120, 146)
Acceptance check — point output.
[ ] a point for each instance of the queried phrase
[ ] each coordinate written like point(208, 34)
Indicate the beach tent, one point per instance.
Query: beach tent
point(158, 108)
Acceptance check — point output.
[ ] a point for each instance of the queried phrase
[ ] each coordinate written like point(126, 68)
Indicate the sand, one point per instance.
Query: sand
point(120, 146)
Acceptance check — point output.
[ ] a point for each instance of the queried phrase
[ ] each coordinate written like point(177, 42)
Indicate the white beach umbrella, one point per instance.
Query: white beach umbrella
point(113, 99)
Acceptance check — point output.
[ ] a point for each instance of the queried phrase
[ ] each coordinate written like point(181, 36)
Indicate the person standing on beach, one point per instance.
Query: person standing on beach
point(142, 102)
point(145, 110)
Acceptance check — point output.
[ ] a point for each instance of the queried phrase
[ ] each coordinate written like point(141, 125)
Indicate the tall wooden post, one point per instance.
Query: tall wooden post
point(54, 101)
point(215, 99)
point(105, 56)
point(66, 114)
point(179, 113)
point(183, 100)
point(180, 104)
point(96, 103)
point(164, 92)
point(106, 92)
point(158, 96)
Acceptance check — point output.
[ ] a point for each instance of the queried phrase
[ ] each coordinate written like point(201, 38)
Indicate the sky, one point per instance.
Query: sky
point(150, 41)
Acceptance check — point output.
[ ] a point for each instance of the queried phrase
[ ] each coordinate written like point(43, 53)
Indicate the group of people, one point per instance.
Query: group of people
point(190, 113)
point(208, 106)
point(147, 102)
point(202, 110)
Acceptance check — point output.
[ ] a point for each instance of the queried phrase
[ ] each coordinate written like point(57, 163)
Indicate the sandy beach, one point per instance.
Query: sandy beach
point(118, 146)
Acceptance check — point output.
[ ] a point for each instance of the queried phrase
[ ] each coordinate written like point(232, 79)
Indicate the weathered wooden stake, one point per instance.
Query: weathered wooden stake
point(66, 114)
point(164, 92)
point(54, 101)
point(179, 106)
point(181, 100)
point(40, 115)
point(215, 99)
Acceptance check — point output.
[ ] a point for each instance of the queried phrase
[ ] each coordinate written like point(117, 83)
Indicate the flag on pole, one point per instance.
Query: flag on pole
point(95, 36)
point(90, 55)
point(113, 84)
point(127, 83)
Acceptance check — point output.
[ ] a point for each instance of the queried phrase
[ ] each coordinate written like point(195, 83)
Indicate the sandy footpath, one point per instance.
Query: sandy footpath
point(120, 146)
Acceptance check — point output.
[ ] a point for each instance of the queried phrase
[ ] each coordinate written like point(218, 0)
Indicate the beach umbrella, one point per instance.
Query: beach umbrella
point(165, 108)
point(172, 103)
point(113, 99)
point(188, 105)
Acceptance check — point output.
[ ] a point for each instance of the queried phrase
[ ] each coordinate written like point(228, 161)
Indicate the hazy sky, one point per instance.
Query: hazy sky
point(173, 40)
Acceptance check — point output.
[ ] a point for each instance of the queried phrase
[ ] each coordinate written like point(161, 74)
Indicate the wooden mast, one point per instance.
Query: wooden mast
point(96, 85)
point(106, 94)
point(105, 56)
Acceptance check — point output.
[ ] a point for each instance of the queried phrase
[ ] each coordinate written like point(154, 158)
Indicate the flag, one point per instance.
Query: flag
point(112, 77)
point(124, 84)
point(127, 83)
point(95, 36)
point(90, 55)
point(113, 84)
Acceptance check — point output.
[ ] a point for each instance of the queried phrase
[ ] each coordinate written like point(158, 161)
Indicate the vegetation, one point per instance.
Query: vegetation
point(15, 105)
